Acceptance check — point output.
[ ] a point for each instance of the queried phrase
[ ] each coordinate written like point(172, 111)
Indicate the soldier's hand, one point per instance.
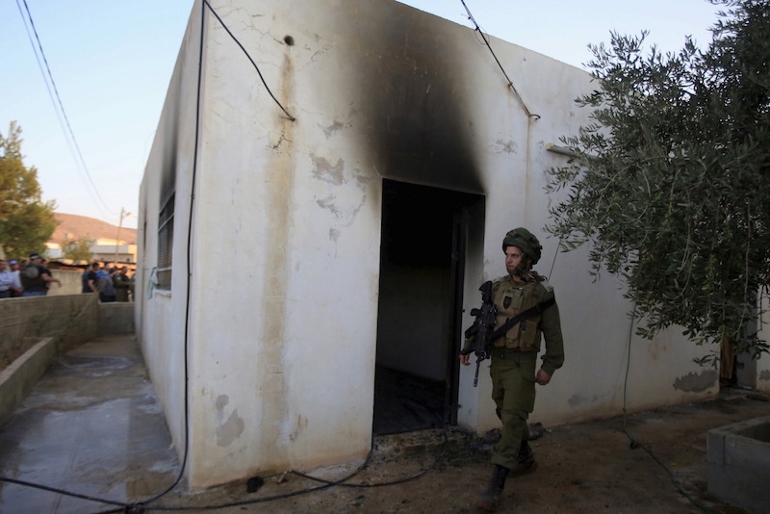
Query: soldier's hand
point(465, 360)
point(542, 377)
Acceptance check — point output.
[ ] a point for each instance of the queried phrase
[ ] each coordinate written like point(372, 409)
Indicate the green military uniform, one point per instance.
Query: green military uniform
point(514, 356)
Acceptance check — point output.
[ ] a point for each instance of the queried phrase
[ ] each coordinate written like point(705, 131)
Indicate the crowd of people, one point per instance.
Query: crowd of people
point(113, 284)
point(32, 277)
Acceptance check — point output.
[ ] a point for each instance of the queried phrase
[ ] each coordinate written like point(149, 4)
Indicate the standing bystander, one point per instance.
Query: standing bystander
point(16, 270)
point(92, 278)
point(35, 278)
point(106, 286)
point(122, 284)
point(9, 282)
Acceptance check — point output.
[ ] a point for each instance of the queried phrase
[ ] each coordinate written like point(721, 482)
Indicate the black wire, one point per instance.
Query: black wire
point(189, 268)
point(393, 482)
point(510, 82)
point(61, 105)
point(292, 118)
point(326, 483)
point(60, 491)
point(140, 506)
point(636, 443)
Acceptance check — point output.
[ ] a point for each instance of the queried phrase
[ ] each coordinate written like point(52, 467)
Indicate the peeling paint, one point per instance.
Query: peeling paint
point(334, 127)
point(230, 430)
point(764, 375)
point(324, 170)
point(345, 205)
point(505, 146)
point(222, 401)
point(577, 399)
point(696, 383)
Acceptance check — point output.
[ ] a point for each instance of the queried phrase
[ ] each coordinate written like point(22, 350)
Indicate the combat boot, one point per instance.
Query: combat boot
point(491, 495)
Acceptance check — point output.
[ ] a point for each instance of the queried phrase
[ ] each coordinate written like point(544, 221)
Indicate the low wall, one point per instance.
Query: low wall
point(71, 282)
point(69, 319)
point(116, 318)
point(738, 457)
point(35, 329)
point(18, 378)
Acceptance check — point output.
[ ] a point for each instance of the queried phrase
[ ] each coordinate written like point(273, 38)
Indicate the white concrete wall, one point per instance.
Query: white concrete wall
point(160, 315)
point(285, 246)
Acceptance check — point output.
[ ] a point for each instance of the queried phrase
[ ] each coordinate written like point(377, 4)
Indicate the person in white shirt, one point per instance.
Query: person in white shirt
point(10, 285)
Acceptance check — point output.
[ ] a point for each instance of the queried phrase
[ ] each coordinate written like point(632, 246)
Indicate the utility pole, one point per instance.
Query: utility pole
point(123, 214)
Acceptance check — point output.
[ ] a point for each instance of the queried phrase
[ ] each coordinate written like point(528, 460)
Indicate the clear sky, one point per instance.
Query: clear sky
point(112, 61)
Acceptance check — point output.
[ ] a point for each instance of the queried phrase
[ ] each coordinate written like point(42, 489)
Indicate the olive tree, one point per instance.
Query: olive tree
point(670, 183)
point(26, 222)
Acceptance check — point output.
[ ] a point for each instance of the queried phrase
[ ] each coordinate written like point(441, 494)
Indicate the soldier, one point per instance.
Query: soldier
point(514, 356)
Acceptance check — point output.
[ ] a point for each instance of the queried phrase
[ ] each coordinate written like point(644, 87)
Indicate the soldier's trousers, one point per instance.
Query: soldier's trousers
point(513, 390)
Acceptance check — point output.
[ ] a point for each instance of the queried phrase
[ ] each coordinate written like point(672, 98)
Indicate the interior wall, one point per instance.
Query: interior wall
point(416, 330)
point(414, 307)
point(412, 320)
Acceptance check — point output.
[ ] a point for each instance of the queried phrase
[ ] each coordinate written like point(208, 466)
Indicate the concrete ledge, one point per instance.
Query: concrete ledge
point(17, 380)
point(738, 457)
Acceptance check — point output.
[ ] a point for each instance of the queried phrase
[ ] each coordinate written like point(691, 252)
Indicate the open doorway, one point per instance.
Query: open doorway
point(422, 259)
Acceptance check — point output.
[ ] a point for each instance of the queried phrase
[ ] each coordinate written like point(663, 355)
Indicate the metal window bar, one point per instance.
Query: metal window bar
point(165, 244)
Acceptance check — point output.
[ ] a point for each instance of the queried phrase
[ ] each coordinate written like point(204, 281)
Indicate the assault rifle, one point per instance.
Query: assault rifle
point(484, 325)
point(482, 328)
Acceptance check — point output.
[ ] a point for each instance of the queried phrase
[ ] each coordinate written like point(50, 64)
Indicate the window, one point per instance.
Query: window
point(165, 243)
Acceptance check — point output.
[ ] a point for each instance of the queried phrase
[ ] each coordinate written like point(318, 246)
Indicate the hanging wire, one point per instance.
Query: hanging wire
point(71, 140)
point(636, 443)
point(207, 4)
point(510, 82)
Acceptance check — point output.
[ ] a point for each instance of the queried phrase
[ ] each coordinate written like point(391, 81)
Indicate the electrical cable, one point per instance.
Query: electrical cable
point(60, 491)
point(326, 483)
point(140, 506)
point(191, 211)
point(636, 443)
point(510, 82)
point(63, 492)
point(292, 118)
point(144, 505)
point(39, 48)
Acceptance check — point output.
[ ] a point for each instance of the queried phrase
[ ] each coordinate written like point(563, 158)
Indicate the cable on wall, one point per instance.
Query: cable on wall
point(510, 82)
point(186, 339)
point(207, 4)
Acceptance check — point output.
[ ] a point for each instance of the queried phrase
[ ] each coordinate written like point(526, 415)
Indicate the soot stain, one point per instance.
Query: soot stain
point(416, 106)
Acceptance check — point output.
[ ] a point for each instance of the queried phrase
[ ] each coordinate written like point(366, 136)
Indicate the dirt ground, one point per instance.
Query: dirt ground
point(582, 468)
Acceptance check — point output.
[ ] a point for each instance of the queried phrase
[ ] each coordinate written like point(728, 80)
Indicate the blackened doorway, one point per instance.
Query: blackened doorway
point(422, 259)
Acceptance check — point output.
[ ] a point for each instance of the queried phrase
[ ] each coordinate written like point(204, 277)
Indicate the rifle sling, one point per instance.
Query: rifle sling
point(532, 311)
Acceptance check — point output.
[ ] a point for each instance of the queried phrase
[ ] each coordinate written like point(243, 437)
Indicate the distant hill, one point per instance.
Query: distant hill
point(72, 226)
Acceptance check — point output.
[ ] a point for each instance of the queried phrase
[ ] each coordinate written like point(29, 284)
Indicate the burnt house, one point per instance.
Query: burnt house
point(328, 187)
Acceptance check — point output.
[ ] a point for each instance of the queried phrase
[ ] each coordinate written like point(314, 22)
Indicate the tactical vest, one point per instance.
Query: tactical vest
point(513, 297)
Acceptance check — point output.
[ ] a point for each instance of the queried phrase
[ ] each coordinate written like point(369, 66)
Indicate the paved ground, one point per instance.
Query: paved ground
point(93, 428)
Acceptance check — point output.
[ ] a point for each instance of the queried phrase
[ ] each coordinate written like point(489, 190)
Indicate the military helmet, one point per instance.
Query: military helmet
point(523, 239)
